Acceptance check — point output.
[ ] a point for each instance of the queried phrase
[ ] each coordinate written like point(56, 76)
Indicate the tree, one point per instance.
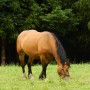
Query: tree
point(68, 19)
point(82, 10)
point(59, 20)
point(8, 9)
point(16, 16)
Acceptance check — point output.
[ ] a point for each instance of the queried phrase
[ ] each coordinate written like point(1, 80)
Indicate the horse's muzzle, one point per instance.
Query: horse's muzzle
point(66, 78)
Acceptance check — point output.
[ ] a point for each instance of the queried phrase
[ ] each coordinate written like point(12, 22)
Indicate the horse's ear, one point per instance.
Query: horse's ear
point(67, 63)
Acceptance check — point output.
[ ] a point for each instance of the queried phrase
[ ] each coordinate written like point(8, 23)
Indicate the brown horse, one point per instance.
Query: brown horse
point(43, 46)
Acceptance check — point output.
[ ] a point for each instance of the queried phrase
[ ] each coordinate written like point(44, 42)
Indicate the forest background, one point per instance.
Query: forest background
point(68, 19)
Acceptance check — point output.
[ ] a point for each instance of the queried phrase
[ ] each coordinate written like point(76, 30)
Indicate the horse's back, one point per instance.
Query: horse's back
point(38, 42)
point(47, 41)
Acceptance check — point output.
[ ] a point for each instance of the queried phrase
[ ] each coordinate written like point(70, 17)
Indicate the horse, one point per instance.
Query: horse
point(43, 46)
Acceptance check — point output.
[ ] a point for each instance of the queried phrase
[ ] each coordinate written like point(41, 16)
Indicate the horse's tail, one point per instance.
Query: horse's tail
point(60, 50)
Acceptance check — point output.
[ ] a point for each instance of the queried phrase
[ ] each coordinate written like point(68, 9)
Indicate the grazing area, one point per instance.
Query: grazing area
point(11, 79)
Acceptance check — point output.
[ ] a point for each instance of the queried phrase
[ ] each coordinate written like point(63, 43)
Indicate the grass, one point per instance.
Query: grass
point(11, 78)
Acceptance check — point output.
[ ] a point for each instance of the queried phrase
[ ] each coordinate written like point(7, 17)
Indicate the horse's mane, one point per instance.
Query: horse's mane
point(60, 50)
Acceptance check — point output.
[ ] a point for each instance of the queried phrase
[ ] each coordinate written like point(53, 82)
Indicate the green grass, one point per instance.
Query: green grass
point(11, 78)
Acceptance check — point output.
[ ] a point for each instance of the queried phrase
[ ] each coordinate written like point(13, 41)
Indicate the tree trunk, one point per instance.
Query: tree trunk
point(3, 57)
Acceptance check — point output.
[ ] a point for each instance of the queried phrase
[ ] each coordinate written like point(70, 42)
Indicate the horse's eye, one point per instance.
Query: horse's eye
point(59, 73)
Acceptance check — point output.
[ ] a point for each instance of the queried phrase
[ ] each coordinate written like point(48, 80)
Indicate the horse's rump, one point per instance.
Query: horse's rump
point(20, 39)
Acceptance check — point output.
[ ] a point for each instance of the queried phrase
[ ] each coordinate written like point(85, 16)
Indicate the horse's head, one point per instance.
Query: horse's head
point(63, 70)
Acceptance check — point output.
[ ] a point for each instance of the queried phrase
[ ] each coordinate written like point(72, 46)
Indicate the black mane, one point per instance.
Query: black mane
point(60, 50)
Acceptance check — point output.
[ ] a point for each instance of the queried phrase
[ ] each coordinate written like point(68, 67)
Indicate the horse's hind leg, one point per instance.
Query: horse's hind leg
point(21, 57)
point(44, 67)
point(29, 69)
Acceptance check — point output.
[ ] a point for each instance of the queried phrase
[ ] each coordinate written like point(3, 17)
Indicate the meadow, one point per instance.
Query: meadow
point(11, 78)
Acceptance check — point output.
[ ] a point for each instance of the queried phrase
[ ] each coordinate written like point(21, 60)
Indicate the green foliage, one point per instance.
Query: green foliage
point(82, 11)
point(7, 25)
point(32, 20)
point(18, 15)
point(89, 25)
point(83, 4)
point(60, 20)
point(50, 14)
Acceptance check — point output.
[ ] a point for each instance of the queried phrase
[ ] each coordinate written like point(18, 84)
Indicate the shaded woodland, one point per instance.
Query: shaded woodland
point(68, 19)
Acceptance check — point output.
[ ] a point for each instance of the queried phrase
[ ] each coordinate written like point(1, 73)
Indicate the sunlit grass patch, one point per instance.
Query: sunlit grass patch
point(11, 78)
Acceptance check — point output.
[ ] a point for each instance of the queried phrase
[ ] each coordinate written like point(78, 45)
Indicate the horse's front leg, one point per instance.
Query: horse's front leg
point(43, 73)
point(29, 69)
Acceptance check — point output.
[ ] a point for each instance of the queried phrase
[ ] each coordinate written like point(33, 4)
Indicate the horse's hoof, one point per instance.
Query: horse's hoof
point(42, 77)
point(31, 77)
